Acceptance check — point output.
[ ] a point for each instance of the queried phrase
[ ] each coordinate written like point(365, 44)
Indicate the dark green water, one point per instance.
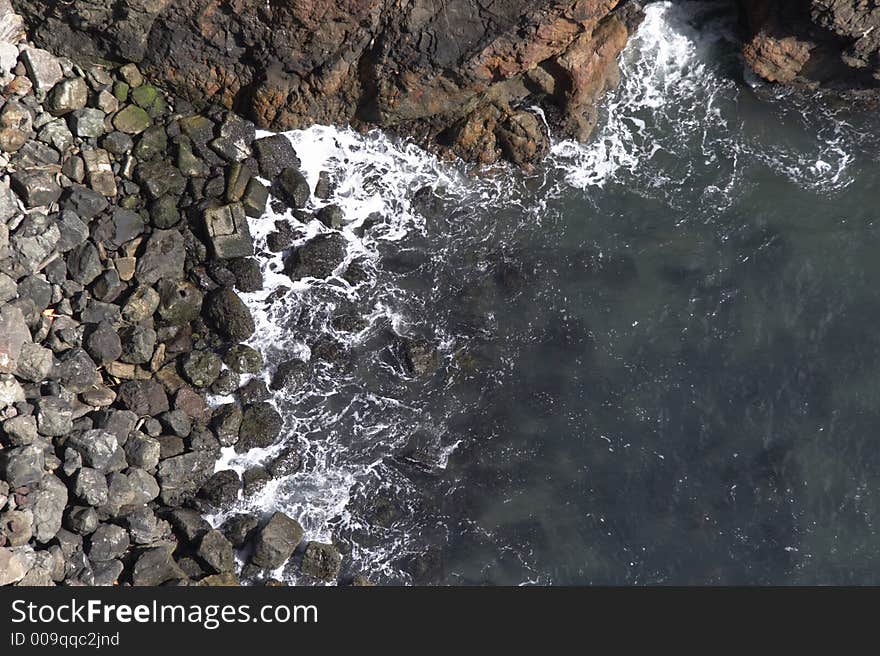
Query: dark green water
point(660, 354)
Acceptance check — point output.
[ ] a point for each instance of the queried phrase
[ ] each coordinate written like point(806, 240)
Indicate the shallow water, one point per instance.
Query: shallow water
point(659, 355)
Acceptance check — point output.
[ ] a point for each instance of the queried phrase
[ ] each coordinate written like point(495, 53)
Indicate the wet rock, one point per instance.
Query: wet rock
point(227, 229)
point(420, 356)
point(243, 359)
point(152, 142)
point(216, 553)
point(226, 422)
point(103, 344)
point(291, 375)
point(67, 96)
point(236, 137)
point(331, 216)
point(248, 277)
point(322, 561)
point(239, 528)
point(181, 477)
point(254, 480)
point(163, 257)
point(288, 462)
point(221, 490)
point(108, 542)
point(228, 315)
point(276, 541)
point(155, 567)
point(143, 397)
point(254, 391)
point(227, 383)
point(201, 368)
point(317, 258)
point(260, 426)
point(255, 198)
point(274, 154)
point(292, 188)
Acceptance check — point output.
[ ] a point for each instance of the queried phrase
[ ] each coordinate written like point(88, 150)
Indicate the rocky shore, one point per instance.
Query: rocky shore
point(123, 245)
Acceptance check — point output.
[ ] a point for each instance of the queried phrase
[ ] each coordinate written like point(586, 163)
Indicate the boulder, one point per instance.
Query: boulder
point(227, 230)
point(276, 541)
point(163, 257)
point(317, 258)
point(228, 315)
point(154, 567)
point(215, 551)
point(260, 427)
point(321, 561)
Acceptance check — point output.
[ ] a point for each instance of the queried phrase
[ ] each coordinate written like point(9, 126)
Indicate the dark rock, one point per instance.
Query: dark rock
point(201, 367)
point(227, 383)
point(158, 178)
point(331, 216)
point(87, 123)
point(221, 490)
point(254, 391)
point(248, 277)
point(164, 213)
point(176, 421)
point(22, 466)
point(138, 344)
point(260, 427)
point(117, 229)
point(117, 143)
point(107, 572)
point(103, 344)
point(155, 567)
point(163, 257)
point(254, 480)
point(108, 542)
point(84, 263)
point(152, 142)
point(276, 541)
point(322, 561)
point(35, 363)
point(90, 486)
point(317, 258)
point(77, 371)
point(35, 188)
point(54, 416)
point(142, 451)
point(292, 188)
point(49, 502)
point(99, 449)
point(243, 359)
point(228, 315)
point(143, 397)
point(291, 375)
point(181, 477)
point(255, 198)
point(215, 551)
point(144, 487)
point(238, 529)
point(188, 524)
point(67, 96)
point(179, 302)
point(84, 202)
point(81, 519)
point(226, 422)
point(274, 154)
point(288, 462)
point(227, 229)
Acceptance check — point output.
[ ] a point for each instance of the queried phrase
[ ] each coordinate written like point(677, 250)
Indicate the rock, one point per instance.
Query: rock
point(164, 212)
point(254, 480)
point(155, 567)
point(99, 172)
point(236, 137)
point(138, 344)
point(201, 367)
point(22, 466)
point(82, 520)
point(226, 422)
point(276, 541)
point(238, 529)
point(108, 542)
point(221, 490)
point(181, 477)
point(131, 75)
point(420, 356)
point(117, 143)
point(67, 96)
point(73, 231)
point(159, 177)
point(16, 124)
point(103, 344)
point(143, 397)
point(248, 277)
point(54, 416)
point(15, 527)
point(291, 375)
point(84, 202)
point(142, 304)
point(317, 258)
point(144, 487)
point(176, 421)
point(288, 462)
point(255, 198)
point(188, 524)
point(14, 564)
point(84, 263)
point(14, 334)
point(321, 561)
point(228, 315)
point(153, 141)
point(90, 486)
point(292, 188)
point(87, 123)
point(274, 154)
point(331, 216)
point(190, 165)
point(227, 382)
point(99, 449)
point(57, 135)
point(49, 502)
point(243, 359)
point(163, 257)
point(77, 371)
point(107, 573)
point(227, 229)
point(216, 553)
point(179, 303)
point(260, 427)
point(120, 227)
point(10, 391)
point(35, 188)
point(35, 363)
point(132, 120)
point(142, 451)
point(22, 430)
point(254, 391)
point(43, 69)
point(144, 527)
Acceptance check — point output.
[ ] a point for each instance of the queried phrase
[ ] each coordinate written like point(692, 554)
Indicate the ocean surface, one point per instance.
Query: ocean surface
point(659, 353)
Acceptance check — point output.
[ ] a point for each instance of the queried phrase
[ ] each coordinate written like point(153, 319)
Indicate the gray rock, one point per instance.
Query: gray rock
point(120, 493)
point(215, 551)
point(77, 371)
point(158, 178)
point(8, 288)
point(156, 566)
point(54, 416)
point(331, 216)
point(103, 344)
point(238, 529)
point(87, 123)
point(274, 154)
point(276, 541)
point(22, 466)
point(143, 397)
point(228, 315)
point(14, 334)
point(181, 477)
point(179, 302)
point(291, 375)
point(221, 490)
point(15, 563)
point(227, 229)
point(118, 422)
point(322, 561)
point(143, 485)
point(49, 502)
point(151, 143)
point(67, 96)
point(260, 427)
point(58, 135)
point(43, 69)
point(164, 213)
point(84, 202)
point(99, 449)
point(108, 542)
point(117, 143)
point(36, 188)
point(35, 363)
point(163, 257)
point(16, 527)
point(99, 171)
point(20, 431)
point(317, 258)
point(226, 422)
point(132, 120)
point(138, 343)
point(142, 451)
point(84, 263)
point(227, 382)
point(73, 231)
point(82, 520)
point(292, 188)
point(236, 137)
point(144, 527)
point(106, 573)
point(90, 486)
point(254, 200)
point(142, 304)
point(248, 277)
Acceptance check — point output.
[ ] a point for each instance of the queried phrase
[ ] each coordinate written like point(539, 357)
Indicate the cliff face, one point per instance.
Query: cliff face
point(454, 70)
point(834, 43)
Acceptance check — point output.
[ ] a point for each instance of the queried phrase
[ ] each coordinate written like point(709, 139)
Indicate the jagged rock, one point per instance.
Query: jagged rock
point(243, 359)
point(36, 188)
point(42, 68)
point(260, 426)
point(73, 231)
point(292, 188)
point(138, 344)
point(238, 529)
point(142, 304)
point(188, 524)
point(87, 122)
point(291, 375)
point(90, 486)
point(15, 563)
point(179, 303)
point(22, 466)
point(84, 202)
point(22, 430)
point(67, 96)
point(103, 344)
point(81, 519)
point(35, 363)
point(216, 553)
point(84, 263)
point(108, 542)
point(14, 334)
point(321, 561)
point(159, 177)
point(143, 397)
point(99, 172)
point(99, 449)
point(132, 120)
point(77, 371)
point(226, 422)
point(142, 451)
point(54, 416)
point(201, 367)
point(16, 123)
point(221, 490)
point(317, 258)
point(181, 477)
point(49, 502)
point(276, 541)
point(155, 567)
point(15, 527)
point(143, 486)
point(163, 257)
point(331, 216)
point(228, 315)
point(248, 277)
